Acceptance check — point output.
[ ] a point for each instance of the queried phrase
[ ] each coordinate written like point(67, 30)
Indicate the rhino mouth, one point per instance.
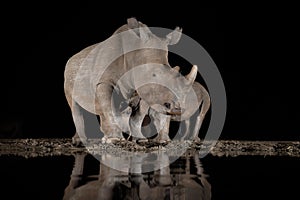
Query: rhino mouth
point(175, 111)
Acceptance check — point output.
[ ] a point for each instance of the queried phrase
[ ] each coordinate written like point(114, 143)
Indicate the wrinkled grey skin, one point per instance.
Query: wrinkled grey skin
point(163, 116)
point(113, 184)
point(156, 61)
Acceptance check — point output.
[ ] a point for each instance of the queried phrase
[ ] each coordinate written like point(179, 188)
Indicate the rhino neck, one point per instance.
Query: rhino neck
point(145, 56)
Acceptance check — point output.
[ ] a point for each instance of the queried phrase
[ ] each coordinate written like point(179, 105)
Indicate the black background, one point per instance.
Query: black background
point(253, 49)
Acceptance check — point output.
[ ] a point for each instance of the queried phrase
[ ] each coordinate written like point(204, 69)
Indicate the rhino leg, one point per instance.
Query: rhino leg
point(187, 129)
point(162, 124)
point(76, 141)
point(124, 119)
point(204, 108)
point(78, 118)
point(197, 128)
point(136, 121)
point(108, 117)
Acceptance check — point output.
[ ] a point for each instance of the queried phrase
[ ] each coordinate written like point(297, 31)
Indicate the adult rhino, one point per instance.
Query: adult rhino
point(132, 60)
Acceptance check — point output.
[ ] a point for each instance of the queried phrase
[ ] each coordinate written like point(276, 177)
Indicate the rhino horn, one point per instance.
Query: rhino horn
point(177, 68)
point(192, 75)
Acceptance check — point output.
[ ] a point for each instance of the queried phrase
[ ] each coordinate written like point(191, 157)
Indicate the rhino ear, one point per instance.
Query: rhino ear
point(132, 23)
point(174, 37)
point(141, 30)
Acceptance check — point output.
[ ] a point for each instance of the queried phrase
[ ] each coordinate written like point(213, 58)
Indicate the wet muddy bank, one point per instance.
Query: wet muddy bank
point(63, 146)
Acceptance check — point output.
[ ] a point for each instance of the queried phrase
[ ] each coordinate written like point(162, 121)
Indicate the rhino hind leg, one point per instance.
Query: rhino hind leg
point(87, 125)
point(204, 108)
point(76, 141)
point(198, 124)
point(79, 138)
point(187, 130)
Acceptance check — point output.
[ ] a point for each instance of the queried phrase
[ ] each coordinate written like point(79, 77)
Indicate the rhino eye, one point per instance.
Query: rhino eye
point(167, 105)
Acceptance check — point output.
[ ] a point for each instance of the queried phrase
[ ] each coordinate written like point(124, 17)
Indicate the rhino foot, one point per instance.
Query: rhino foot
point(197, 140)
point(162, 139)
point(138, 137)
point(77, 141)
point(141, 140)
point(112, 140)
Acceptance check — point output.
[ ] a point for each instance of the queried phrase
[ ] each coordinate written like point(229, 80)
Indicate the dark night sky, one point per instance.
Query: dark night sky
point(250, 48)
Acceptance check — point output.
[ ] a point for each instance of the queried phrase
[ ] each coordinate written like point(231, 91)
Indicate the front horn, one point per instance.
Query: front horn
point(192, 75)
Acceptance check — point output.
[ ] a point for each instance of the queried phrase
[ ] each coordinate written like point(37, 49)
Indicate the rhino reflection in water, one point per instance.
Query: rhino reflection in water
point(94, 73)
point(179, 182)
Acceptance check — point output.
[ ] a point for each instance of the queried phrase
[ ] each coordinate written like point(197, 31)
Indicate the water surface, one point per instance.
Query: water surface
point(81, 176)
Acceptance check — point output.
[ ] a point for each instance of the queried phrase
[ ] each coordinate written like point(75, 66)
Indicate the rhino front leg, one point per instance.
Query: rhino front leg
point(187, 129)
point(104, 108)
point(162, 124)
point(136, 121)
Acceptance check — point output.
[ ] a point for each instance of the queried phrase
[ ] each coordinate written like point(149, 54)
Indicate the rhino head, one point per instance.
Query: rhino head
point(169, 92)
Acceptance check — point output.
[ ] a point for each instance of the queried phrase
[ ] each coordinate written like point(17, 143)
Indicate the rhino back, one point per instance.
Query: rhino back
point(107, 62)
point(71, 69)
point(74, 63)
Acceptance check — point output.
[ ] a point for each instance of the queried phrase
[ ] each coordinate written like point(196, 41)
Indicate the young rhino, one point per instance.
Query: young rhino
point(94, 73)
point(162, 115)
point(162, 121)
